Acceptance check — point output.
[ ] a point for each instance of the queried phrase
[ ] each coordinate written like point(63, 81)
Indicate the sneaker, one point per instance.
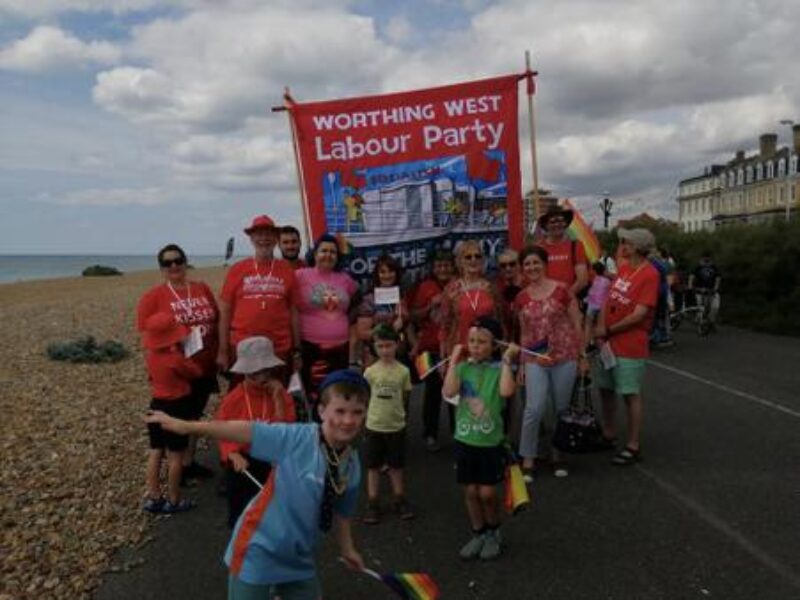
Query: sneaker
point(491, 545)
point(472, 549)
point(431, 445)
point(153, 505)
point(403, 509)
point(560, 470)
point(372, 516)
point(182, 505)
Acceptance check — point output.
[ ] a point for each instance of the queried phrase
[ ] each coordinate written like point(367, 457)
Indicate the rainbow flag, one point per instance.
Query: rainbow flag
point(423, 364)
point(579, 230)
point(414, 586)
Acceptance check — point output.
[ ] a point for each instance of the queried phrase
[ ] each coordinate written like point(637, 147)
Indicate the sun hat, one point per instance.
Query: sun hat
point(640, 238)
point(255, 354)
point(344, 376)
point(260, 222)
point(556, 211)
point(161, 330)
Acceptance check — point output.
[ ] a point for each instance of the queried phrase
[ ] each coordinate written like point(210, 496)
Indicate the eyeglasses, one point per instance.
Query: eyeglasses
point(473, 256)
point(507, 265)
point(168, 262)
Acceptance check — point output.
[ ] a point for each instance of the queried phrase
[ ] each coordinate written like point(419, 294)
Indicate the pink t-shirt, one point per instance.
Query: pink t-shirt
point(598, 292)
point(323, 301)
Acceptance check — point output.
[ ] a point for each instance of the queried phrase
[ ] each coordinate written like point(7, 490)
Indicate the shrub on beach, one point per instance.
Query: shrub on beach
point(100, 271)
point(87, 350)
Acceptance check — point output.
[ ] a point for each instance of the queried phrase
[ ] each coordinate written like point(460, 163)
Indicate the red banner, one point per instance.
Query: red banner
point(403, 168)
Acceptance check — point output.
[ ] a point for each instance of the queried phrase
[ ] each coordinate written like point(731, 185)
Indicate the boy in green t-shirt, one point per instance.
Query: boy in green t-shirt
point(390, 382)
point(482, 384)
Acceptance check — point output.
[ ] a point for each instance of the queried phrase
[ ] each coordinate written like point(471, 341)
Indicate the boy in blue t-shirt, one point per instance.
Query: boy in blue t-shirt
point(482, 384)
point(313, 486)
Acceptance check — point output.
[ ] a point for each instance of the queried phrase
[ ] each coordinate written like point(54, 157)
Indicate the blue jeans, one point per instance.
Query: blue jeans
point(542, 384)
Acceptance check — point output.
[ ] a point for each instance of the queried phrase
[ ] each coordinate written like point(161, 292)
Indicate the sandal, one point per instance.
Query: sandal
point(626, 457)
point(181, 505)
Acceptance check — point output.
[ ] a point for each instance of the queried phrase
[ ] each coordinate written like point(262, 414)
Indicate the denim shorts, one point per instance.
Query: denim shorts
point(625, 379)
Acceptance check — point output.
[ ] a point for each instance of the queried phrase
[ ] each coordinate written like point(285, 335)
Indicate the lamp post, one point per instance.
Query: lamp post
point(606, 205)
point(787, 198)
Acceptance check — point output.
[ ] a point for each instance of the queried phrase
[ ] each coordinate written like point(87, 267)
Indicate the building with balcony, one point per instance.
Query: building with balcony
point(747, 189)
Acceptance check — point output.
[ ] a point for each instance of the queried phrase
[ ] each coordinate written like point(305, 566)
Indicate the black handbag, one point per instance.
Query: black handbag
point(577, 430)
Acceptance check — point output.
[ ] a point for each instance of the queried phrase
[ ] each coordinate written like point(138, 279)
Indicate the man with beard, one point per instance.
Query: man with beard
point(289, 245)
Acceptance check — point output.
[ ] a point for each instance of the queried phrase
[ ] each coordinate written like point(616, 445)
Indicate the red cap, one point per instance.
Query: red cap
point(260, 222)
point(162, 330)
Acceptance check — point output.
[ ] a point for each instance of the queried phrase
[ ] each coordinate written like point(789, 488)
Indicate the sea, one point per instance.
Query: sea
point(21, 267)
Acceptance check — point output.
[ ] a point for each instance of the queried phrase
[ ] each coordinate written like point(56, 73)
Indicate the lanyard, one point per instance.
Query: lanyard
point(269, 276)
point(473, 300)
point(250, 408)
point(180, 300)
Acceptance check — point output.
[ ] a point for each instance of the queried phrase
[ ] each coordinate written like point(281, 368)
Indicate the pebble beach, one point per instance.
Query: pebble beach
point(73, 442)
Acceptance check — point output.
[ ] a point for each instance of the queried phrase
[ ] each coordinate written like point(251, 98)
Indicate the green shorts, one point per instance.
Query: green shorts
point(625, 379)
point(307, 589)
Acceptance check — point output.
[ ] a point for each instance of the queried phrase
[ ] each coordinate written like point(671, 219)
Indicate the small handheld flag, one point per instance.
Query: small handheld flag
point(412, 586)
point(424, 364)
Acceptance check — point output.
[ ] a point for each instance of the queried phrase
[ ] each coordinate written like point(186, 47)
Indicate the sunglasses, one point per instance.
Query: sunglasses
point(507, 265)
point(168, 262)
point(473, 256)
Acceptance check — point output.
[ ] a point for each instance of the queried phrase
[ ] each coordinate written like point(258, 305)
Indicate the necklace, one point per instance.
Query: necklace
point(250, 407)
point(473, 300)
point(181, 302)
point(269, 276)
point(333, 460)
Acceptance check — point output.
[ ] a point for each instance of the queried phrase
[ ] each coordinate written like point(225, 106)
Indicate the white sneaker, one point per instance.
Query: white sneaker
point(473, 548)
point(491, 545)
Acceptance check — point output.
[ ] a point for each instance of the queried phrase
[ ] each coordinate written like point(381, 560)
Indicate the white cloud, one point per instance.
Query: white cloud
point(108, 197)
point(49, 48)
point(399, 29)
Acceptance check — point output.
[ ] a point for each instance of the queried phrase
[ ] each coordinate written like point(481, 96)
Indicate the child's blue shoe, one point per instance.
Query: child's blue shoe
point(182, 505)
point(153, 505)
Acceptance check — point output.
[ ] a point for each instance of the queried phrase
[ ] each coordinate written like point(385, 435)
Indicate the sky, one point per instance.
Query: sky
point(129, 124)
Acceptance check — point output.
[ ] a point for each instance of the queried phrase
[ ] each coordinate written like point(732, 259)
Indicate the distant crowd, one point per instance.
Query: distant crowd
point(311, 362)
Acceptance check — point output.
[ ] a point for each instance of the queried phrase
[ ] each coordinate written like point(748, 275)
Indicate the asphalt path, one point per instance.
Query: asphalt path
point(713, 510)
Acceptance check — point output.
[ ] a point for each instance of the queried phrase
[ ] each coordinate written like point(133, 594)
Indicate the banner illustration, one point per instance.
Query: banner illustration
point(407, 172)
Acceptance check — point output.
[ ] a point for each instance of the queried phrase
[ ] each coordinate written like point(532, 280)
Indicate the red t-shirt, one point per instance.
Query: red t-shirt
point(466, 305)
point(194, 306)
point(632, 287)
point(560, 265)
point(255, 406)
point(429, 325)
point(170, 373)
point(260, 296)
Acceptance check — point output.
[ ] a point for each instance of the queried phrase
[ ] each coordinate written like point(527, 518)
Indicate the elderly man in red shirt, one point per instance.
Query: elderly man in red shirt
point(256, 298)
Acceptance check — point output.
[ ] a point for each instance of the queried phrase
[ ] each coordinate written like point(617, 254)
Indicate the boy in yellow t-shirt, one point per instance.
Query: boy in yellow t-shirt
point(390, 382)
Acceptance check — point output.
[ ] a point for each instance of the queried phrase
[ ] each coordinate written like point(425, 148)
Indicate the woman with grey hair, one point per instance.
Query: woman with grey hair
point(622, 333)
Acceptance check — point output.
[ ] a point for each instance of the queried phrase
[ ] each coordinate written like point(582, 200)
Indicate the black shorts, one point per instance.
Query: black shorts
point(479, 465)
point(385, 449)
point(201, 391)
point(161, 438)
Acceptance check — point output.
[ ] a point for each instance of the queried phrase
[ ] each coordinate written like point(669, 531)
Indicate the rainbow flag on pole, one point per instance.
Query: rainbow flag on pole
point(414, 586)
point(423, 364)
point(579, 230)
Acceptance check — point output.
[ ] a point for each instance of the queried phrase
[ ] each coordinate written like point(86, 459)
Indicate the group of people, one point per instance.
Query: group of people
point(508, 346)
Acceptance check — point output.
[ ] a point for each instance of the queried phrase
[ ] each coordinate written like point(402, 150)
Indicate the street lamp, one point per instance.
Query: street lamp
point(606, 205)
point(790, 123)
